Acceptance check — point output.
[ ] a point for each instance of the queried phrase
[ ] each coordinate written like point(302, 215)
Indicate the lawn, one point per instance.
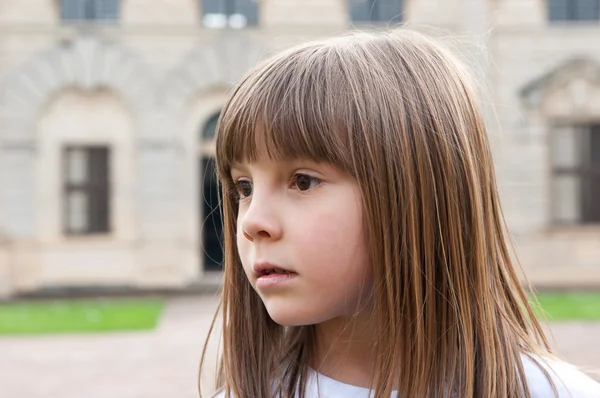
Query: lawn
point(570, 306)
point(76, 316)
point(65, 316)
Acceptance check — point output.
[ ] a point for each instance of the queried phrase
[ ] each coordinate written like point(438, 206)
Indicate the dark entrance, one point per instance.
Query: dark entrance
point(212, 224)
point(210, 214)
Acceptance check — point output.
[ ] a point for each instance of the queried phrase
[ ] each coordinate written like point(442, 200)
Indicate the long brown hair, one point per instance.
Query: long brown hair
point(398, 113)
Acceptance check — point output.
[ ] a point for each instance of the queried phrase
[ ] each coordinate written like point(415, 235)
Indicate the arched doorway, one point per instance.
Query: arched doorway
point(210, 213)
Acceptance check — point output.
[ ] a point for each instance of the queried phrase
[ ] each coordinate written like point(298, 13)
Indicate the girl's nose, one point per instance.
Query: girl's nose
point(260, 221)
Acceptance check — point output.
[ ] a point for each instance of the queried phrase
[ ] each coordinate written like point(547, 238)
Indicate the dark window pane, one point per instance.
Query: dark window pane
point(248, 8)
point(229, 13)
point(360, 10)
point(87, 203)
point(595, 148)
point(89, 10)
point(208, 132)
point(71, 9)
point(390, 11)
point(107, 10)
point(590, 198)
point(592, 213)
point(585, 10)
point(214, 7)
point(592, 205)
point(98, 207)
point(558, 10)
point(573, 10)
point(590, 175)
point(212, 224)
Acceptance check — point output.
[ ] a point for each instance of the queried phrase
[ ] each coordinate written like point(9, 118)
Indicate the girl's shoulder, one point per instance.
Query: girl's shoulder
point(321, 386)
point(219, 394)
point(568, 380)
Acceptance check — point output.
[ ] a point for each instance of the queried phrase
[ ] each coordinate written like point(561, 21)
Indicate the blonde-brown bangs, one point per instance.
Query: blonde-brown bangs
point(285, 110)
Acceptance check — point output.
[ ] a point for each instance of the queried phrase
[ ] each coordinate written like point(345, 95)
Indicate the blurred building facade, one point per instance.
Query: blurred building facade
point(108, 110)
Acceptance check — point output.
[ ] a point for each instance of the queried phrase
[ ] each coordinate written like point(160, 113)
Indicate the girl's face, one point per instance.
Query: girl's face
point(301, 241)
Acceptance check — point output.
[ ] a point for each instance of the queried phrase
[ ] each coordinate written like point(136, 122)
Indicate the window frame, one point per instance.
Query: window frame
point(83, 18)
point(231, 8)
point(91, 188)
point(585, 173)
point(572, 13)
point(395, 19)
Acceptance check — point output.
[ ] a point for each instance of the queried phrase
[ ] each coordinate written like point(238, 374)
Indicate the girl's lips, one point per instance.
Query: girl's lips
point(263, 268)
point(274, 280)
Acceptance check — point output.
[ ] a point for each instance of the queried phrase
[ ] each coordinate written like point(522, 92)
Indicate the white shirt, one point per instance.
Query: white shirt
point(569, 381)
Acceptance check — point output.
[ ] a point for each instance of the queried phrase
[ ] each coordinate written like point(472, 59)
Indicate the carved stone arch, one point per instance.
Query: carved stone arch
point(86, 64)
point(218, 64)
point(570, 91)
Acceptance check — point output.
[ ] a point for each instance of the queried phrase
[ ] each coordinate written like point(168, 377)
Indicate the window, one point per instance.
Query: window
point(573, 10)
point(387, 11)
point(575, 152)
point(236, 14)
point(89, 10)
point(86, 188)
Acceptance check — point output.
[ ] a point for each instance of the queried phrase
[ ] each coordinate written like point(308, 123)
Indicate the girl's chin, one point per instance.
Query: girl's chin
point(286, 315)
point(287, 319)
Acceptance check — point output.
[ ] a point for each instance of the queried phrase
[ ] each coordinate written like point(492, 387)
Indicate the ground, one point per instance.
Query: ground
point(163, 363)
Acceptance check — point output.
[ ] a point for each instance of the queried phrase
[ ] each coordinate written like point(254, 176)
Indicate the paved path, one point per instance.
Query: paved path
point(162, 363)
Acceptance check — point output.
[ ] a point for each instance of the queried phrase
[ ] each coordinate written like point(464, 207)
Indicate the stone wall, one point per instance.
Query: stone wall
point(163, 76)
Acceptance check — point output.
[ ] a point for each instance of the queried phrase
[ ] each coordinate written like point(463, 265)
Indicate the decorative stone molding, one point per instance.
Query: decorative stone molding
point(571, 91)
point(87, 63)
point(217, 64)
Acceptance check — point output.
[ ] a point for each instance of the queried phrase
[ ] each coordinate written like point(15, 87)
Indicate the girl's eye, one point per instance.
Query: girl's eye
point(305, 182)
point(243, 189)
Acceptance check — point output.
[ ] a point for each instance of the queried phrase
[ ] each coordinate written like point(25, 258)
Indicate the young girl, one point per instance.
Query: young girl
point(365, 249)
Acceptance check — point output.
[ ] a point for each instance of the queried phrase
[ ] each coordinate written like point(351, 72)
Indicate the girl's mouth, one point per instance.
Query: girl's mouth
point(264, 268)
point(271, 271)
point(274, 280)
point(270, 276)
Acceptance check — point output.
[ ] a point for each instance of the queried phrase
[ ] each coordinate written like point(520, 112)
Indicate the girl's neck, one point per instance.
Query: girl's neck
point(344, 351)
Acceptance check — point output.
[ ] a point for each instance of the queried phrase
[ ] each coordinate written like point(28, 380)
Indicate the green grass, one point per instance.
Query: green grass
point(31, 318)
point(79, 316)
point(570, 306)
